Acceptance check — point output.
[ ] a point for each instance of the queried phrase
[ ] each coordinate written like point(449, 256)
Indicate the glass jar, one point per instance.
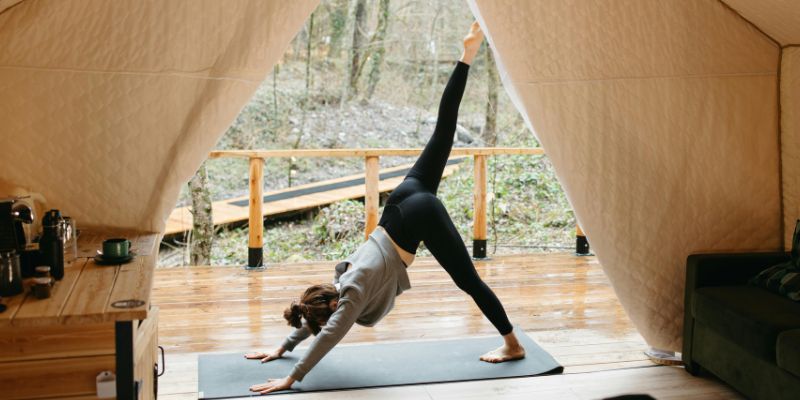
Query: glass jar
point(10, 274)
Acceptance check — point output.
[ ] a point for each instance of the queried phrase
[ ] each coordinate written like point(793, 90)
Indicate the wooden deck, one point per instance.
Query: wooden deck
point(563, 302)
point(296, 198)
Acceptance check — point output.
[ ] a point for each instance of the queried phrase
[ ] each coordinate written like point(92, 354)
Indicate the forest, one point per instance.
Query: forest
point(369, 74)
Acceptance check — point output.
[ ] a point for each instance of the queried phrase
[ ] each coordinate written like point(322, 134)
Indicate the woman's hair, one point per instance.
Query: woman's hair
point(313, 306)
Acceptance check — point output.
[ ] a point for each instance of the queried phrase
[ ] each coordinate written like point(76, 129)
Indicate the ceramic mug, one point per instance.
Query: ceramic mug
point(116, 248)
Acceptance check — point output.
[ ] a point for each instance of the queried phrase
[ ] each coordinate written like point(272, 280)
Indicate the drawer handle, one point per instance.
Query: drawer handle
point(163, 362)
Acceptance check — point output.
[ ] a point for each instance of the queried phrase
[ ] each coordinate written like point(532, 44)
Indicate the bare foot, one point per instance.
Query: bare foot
point(472, 43)
point(504, 353)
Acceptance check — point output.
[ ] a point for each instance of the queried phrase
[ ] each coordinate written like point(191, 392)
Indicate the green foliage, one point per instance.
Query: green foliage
point(338, 221)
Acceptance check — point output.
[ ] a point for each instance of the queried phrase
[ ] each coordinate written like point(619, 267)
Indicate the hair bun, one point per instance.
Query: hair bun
point(293, 314)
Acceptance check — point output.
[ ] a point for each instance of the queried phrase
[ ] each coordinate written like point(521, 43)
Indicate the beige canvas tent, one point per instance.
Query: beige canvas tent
point(673, 126)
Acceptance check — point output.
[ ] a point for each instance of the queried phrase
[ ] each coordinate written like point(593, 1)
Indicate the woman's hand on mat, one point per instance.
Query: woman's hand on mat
point(265, 357)
point(273, 385)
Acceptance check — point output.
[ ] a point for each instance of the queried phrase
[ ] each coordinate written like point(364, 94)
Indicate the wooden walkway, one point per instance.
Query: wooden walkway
point(296, 198)
point(563, 302)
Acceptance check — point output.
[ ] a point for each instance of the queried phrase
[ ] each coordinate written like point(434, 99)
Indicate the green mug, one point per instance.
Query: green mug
point(116, 248)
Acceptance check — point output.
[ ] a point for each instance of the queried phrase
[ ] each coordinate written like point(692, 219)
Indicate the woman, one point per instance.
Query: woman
point(367, 282)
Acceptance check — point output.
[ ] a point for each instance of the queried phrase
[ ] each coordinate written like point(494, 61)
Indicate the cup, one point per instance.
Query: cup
point(116, 248)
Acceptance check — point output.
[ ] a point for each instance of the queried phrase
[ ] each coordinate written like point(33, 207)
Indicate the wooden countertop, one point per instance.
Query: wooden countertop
point(89, 292)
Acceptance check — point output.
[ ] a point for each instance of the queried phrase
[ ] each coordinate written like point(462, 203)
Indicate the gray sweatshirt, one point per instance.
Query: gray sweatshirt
point(366, 294)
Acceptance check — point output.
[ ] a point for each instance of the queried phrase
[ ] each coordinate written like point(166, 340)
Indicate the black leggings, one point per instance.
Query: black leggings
point(413, 213)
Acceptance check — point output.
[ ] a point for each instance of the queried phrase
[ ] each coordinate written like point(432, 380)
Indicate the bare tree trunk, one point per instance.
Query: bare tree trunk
point(306, 98)
point(337, 17)
point(490, 125)
point(433, 88)
point(379, 48)
point(203, 225)
point(359, 27)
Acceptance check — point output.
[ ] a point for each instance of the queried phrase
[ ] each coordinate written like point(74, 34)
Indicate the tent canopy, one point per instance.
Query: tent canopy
point(673, 126)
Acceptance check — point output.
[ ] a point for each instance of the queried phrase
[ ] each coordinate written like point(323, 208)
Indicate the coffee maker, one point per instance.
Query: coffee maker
point(14, 215)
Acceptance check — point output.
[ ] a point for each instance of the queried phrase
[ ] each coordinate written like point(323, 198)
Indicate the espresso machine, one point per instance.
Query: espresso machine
point(14, 216)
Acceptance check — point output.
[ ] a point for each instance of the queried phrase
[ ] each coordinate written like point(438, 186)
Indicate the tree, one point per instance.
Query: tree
point(337, 19)
point(357, 49)
point(306, 98)
point(378, 48)
point(490, 122)
point(202, 236)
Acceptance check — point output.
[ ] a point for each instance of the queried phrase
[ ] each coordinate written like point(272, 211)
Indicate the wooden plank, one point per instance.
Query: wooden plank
point(134, 281)
point(85, 293)
point(59, 293)
point(144, 333)
point(89, 297)
point(479, 199)
point(371, 166)
point(145, 352)
point(458, 151)
point(56, 341)
point(13, 305)
point(52, 378)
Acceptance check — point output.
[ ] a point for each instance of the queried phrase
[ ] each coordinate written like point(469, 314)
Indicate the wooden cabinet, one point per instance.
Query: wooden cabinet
point(64, 360)
point(98, 318)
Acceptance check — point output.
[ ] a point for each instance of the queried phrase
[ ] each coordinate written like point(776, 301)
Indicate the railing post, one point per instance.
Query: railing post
point(479, 215)
point(255, 251)
point(371, 195)
point(581, 243)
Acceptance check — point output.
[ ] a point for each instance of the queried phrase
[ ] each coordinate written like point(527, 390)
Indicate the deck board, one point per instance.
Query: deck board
point(563, 302)
point(225, 212)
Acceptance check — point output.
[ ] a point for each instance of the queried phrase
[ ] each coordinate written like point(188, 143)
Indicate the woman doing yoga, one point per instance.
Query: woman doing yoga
point(367, 282)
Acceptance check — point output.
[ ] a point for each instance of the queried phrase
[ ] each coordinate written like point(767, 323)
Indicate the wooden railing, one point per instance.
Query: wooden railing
point(371, 196)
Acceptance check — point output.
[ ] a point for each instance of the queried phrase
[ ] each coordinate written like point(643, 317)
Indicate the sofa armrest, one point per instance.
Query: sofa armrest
point(704, 270)
point(728, 269)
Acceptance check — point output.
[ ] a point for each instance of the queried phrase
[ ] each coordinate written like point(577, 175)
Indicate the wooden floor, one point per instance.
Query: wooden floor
point(563, 302)
point(227, 211)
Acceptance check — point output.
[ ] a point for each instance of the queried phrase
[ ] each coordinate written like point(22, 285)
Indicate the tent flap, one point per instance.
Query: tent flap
point(116, 103)
point(660, 119)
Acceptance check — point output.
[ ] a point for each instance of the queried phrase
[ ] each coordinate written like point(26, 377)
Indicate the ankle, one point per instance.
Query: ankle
point(511, 340)
point(467, 57)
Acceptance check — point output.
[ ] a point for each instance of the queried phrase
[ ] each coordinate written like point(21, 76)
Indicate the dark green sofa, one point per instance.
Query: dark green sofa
point(746, 336)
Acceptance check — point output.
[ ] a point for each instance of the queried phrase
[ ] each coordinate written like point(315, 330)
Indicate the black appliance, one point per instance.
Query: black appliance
point(13, 214)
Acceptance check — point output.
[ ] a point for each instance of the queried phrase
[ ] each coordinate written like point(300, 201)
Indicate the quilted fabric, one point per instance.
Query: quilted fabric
point(790, 138)
point(777, 18)
point(116, 103)
point(660, 119)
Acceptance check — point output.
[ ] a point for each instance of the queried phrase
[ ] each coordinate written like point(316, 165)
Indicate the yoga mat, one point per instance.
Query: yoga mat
point(374, 365)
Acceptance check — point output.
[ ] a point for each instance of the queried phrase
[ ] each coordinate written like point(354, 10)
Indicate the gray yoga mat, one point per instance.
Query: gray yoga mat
point(374, 365)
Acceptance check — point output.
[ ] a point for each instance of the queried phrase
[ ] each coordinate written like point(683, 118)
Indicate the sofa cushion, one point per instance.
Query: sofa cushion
point(782, 279)
point(749, 316)
point(788, 351)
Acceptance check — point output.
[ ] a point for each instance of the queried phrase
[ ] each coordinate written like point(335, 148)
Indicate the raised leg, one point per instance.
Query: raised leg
point(430, 165)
